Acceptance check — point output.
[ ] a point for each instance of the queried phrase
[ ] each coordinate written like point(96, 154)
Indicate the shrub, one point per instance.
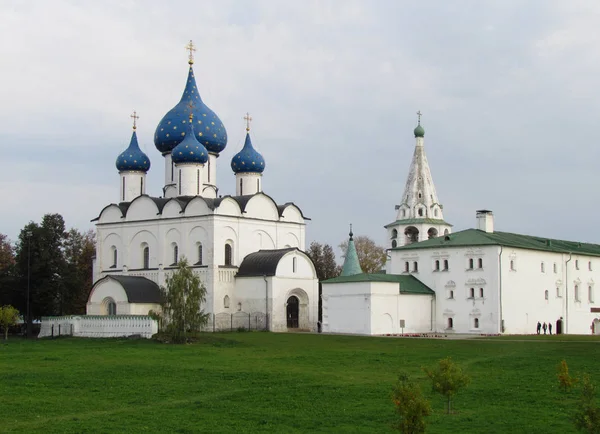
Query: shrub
point(587, 416)
point(447, 379)
point(565, 381)
point(411, 406)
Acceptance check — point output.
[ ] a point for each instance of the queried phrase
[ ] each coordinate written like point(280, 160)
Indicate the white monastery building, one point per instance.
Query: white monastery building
point(247, 249)
point(476, 281)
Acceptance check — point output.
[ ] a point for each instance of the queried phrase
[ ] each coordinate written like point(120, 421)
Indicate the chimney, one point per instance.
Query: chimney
point(485, 220)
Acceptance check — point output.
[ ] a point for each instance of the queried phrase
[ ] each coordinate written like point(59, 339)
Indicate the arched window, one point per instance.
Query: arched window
point(226, 302)
point(239, 307)
point(114, 257)
point(512, 265)
point(141, 185)
point(576, 292)
point(445, 264)
point(480, 263)
point(451, 293)
point(403, 213)
point(406, 267)
point(199, 254)
point(446, 231)
point(437, 265)
point(435, 212)
point(198, 182)
point(590, 293)
point(146, 258)
point(546, 295)
point(258, 185)
point(228, 254)
point(394, 234)
point(293, 265)
point(420, 212)
point(394, 244)
point(481, 292)
point(470, 264)
point(472, 293)
point(415, 266)
point(476, 323)
point(450, 323)
point(208, 168)
point(542, 267)
point(110, 306)
point(123, 189)
point(175, 254)
point(241, 187)
point(179, 181)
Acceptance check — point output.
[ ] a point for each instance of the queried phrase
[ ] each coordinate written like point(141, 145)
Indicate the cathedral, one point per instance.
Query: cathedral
point(475, 281)
point(247, 249)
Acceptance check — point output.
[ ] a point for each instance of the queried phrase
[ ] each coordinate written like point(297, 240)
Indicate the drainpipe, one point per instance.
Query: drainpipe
point(433, 314)
point(500, 289)
point(566, 330)
point(266, 301)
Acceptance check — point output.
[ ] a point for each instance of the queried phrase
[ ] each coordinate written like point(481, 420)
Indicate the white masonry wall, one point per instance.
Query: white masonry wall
point(95, 326)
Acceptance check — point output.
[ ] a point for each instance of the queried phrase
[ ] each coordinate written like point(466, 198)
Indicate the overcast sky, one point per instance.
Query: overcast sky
point(508, 89)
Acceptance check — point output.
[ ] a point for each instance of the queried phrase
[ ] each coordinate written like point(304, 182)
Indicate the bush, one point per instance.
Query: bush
point(587, 416)
point(447, 379)
point(565, 381)
point(411, 406)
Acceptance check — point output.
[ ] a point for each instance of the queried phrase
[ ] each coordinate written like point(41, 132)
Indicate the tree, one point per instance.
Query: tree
point(8, 317)
point(587, 416)
point(7, 271)
point(371, 257)
point(79, 250)
point(411, 406)
point(565, 380)
point(447, 379)
point(324, 259)
point(183, 296)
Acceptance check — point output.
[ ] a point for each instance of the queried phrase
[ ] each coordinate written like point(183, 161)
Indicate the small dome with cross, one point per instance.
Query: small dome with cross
point(133, 158)
point(189, 150)
point(248, 160)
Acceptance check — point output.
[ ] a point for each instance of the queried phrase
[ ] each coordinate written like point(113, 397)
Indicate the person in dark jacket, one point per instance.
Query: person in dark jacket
point(550, 328)
point(539, 327)
point(544, 327)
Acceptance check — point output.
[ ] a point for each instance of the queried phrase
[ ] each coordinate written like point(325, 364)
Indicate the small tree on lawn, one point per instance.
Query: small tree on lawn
point(565, 380)
point(411, 406)
point(447, 379)
point(8, 317)
point(587, 416)
point(183, 296)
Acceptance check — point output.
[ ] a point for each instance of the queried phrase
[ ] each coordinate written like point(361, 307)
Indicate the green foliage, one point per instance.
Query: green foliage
point(157, 316)
point(8, 317)
point(183, 296)
point(411, 406)
point(587, 415)
point(565, 380)
point(447, 379)
point(371, 256)
point(323, 257)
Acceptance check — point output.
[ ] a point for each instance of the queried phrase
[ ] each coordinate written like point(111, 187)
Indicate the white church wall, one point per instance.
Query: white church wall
point(112, 242)
point(172, 209)
point(111, 213)
point(98, 326)
point(109, 290)
point(141, 208)
point(292, 214)
point(388, 307)
point(228, 206)
point(346, 308)
point(139, 240)
point(197, 207)
point(260, 239)
point(262, 207)
point(173, 239)
point(453, 284)
point(307, 292)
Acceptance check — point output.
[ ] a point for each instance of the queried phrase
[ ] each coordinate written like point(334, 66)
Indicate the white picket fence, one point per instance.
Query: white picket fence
point(97, 326)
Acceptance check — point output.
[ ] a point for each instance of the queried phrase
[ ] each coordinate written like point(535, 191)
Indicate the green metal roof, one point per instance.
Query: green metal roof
point(417, 221)
point(408, 283)
point(476, 237)
point(351, 265)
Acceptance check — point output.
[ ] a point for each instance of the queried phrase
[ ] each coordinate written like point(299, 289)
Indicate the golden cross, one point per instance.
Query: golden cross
point(191, 48)
point(191, 106)
point(248, 119)
point(419, 115)
point(135, 117)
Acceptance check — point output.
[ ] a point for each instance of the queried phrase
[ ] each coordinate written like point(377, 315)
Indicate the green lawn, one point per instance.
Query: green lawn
point(287, 383)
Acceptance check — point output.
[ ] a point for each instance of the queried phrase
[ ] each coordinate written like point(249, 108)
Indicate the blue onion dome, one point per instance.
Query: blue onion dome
point(209, 128)
point(248, 160)
point(189, 150)
point(133, 158)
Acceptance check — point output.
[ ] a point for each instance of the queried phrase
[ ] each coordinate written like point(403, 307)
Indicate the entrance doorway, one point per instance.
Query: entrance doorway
point(292, 311)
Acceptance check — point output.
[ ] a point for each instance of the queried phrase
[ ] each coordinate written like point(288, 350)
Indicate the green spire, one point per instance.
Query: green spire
point(351, 264)
point(419, 131)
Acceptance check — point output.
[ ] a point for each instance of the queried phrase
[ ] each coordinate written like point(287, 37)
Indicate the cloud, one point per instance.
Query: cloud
point(507, 90)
